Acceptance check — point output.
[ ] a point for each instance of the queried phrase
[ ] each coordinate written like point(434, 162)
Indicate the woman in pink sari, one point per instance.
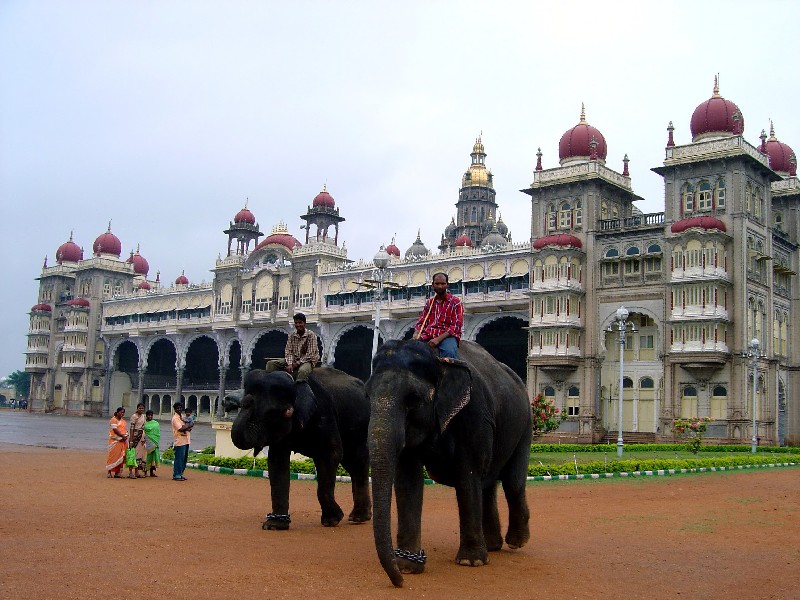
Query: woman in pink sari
point(117, 442)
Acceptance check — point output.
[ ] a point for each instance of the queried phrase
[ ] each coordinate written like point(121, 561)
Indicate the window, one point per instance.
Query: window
point(778, 221)
point(573, 401)
point(748, 198)
point(631, 267)
point(263, 304)
point(565, 216)
point(578, 213)
point(632, 251)
point(719, 402)
point(652, 264)
point(720, 193)
point(654, 249)
point(551, 217)
point(704, 196)
point(688, 198)
point(612, 253)
point(246, 304)
point(689, 403)
point(611, 268)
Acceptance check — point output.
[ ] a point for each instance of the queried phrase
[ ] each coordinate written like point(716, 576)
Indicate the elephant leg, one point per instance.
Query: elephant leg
point(472, 550)
point(491, 519)
point(358, 467)
point(326, 483)
point(409, 486)
point(514, 480)
point(278, 466)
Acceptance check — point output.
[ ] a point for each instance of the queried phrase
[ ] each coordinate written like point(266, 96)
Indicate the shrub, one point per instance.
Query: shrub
point(546, 417)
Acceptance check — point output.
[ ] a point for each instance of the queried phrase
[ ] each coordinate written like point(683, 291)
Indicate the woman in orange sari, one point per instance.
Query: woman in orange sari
point(117, 442)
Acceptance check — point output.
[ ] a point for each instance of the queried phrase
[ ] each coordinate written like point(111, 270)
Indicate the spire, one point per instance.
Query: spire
point(109, 226)
point(539, 159)
point(716, 86)
point(792, 165)
point(670, 139)
point(772, 137)
point(44, 266)
point(583, 114)
point(625, 162)
point(763, 147)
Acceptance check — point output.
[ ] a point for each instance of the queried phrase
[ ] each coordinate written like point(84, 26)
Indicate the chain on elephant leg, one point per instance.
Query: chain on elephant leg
point(276, 522)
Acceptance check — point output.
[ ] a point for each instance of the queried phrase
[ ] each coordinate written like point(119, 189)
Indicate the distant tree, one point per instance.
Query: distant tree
point(21, 382)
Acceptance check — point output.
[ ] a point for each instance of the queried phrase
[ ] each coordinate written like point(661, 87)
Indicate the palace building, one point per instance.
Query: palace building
point(700, 280)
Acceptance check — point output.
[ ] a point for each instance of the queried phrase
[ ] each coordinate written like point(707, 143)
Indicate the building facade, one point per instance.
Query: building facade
point(701, 279)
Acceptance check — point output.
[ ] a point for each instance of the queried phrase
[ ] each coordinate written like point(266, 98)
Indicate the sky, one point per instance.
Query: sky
point(165, 118)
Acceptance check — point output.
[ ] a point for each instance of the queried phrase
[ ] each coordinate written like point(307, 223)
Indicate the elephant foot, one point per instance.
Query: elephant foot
point(275, 522)
point(331, 520)
point(359, 517)
point(517, 539)
point(493, 542)
point(410, 563)
point(472, 559)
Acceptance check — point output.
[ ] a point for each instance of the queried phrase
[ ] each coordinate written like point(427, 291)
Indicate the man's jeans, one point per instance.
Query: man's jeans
point(448, 348)
point(179, 464)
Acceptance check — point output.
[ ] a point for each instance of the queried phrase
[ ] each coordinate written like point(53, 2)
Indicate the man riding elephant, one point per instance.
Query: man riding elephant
point(301, 353)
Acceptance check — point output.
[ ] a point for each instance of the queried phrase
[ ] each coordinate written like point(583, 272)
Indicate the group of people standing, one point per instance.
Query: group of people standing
point(139, 448)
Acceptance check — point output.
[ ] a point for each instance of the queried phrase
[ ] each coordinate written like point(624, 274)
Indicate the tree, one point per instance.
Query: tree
point(546, 417)
point(21, 382)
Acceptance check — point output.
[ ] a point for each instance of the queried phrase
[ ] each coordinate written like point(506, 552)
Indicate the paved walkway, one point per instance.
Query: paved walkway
point(81, 433)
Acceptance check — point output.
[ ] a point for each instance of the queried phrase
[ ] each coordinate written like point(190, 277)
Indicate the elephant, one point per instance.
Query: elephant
point(325, 419)
point(468, 422)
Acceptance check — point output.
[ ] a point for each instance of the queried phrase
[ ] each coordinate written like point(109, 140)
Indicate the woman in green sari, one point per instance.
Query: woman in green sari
point(152, 434)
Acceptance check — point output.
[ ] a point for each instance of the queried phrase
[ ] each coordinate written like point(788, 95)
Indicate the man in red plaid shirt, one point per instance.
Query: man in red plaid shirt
point(442, 319)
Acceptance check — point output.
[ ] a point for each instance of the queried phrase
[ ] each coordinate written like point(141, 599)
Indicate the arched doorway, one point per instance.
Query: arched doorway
point(507, 341)
point(354, 352)
point(270, 345)
point(233, 374)
point(202, 365)
point(161, 372)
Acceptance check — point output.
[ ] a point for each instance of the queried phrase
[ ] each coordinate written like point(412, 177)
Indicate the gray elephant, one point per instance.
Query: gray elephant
point(325, 419)
point(468, 422)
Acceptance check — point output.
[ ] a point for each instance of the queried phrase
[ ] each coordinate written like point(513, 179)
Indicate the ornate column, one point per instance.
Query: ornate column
point(243, 369)
point(179, 385)
point(140, 387)
point(106, 408)
point(220, 408)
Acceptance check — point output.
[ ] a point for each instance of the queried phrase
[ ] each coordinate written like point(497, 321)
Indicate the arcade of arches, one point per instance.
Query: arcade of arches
point(208, 370)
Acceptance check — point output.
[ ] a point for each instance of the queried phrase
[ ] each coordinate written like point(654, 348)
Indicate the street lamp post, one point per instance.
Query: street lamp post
point(623, 325)
point(752, 353)
point(381, 261)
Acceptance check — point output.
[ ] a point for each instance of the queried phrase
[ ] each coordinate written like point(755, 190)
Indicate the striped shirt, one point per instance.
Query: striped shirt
point(445, 316)
point(302, 349)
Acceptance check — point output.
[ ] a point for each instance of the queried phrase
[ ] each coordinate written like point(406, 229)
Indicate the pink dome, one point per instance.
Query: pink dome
point(245, 216)
point(577, 142)
point(279, 235)
point(42, 307)
point(107, 243)
point(69, 251)
point(143, 286)
point(140, 264)
point(392, 249)
point(324, 199)
point(704, 222)
point(716, 116)
point(82, 302)
point(182, 279)
point(781, 157)
point(559, 239)
point(463, 240)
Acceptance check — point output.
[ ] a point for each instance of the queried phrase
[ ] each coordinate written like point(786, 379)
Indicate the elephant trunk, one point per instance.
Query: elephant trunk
point(386, 434)
point(244, 432)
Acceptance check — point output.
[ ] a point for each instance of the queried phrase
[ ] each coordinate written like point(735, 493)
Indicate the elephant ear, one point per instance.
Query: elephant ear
point(453, 392)
point(305, 404)
point(233, 400)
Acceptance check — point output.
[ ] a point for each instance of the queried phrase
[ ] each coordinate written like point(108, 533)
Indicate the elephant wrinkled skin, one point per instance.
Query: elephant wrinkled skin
point(325, 419)
point(468, 422)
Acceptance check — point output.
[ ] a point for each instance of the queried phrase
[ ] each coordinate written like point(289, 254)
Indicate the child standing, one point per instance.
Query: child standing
point(152, 433)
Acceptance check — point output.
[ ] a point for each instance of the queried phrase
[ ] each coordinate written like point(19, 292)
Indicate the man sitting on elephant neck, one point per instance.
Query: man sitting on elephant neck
point(301, 354)
point(442, 319)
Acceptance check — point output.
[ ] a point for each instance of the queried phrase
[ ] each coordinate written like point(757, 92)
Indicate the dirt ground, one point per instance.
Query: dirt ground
point(68, 532)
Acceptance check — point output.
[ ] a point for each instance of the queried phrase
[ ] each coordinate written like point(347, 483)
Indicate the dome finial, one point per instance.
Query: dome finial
point(583, 113)
point(246, 200)
point(716, 86)
point(625, 162)
point(763, 147)
point(792, 165)
point(70, 235)
point(539, 159)
point(109, 226)
point(772, 137)
point(670, 139)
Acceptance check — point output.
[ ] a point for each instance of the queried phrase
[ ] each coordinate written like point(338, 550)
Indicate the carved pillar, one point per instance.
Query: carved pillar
point(106, 409)
point(140, 387)
point(220, 408)
point(179, 385)
point(243, 370)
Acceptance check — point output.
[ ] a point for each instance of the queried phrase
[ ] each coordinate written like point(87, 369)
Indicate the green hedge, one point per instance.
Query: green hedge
point(656, 464)
point(544, 448)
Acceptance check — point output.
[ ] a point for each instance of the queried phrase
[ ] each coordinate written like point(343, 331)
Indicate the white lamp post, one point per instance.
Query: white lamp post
point(752, 353)
point(623, 325)
point(381, 261)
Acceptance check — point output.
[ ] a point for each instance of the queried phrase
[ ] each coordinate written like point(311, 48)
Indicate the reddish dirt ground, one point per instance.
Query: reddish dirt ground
point(68, 532)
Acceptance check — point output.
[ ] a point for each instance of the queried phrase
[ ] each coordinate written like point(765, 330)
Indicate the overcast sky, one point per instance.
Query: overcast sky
point(164, 116)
